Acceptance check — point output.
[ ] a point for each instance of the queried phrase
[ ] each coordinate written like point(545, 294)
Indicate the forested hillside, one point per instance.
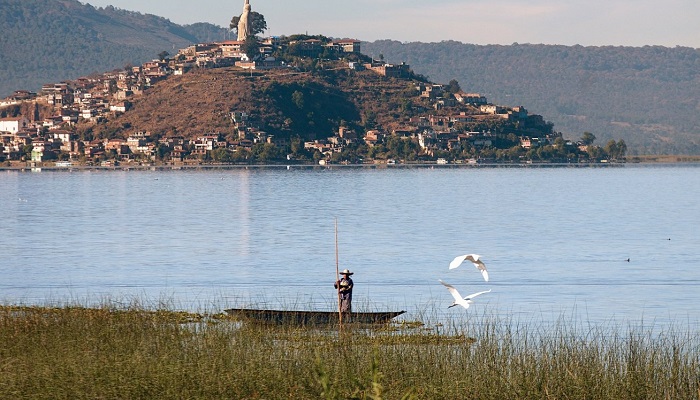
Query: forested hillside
point(648, 96)
point(46, 41)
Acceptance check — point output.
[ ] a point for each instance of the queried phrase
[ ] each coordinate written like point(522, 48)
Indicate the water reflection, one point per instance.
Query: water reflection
point(556, 240)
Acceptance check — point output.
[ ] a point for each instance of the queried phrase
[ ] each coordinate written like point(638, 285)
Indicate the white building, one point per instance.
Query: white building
point(13, 125)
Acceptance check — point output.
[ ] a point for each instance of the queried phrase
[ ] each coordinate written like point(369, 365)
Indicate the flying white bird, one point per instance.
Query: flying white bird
point(475, 259)
point(459, 300)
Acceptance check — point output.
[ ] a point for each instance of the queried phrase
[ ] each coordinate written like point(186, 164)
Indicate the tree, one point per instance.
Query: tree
point(221, 154)
point(512, 139)
point(401, 148)
point(267, 152)
point(298, 150)
point(26, 150)
point(588, 138)
point(615, 150)
point(163, 55)
point(510, 154)
point(298, 99)
point(296, 145)
point(162, 151)
point(559, 142)
point(369, 119)
point(241, 155)
point(234, 23)
point(453, 87)
point(406, 107)
point(251, 47)
point(621, 149)
point(595, 152)
point(257, 23)
point(611, 149)
point(317, 156)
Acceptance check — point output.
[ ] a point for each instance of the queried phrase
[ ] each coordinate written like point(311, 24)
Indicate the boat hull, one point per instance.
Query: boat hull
point(292, 317)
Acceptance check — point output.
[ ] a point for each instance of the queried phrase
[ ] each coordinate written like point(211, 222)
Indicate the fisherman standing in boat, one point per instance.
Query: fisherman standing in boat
point(344, 286)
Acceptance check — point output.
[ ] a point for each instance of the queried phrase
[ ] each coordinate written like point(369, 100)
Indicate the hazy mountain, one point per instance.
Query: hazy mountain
point(45, 41)
point(648, 96)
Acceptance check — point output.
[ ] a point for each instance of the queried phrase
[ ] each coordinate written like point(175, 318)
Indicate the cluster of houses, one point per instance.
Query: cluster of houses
point(440, 132)
point(99, 97)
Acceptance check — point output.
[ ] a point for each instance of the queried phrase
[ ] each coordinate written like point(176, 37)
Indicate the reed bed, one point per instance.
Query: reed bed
point(110, 352)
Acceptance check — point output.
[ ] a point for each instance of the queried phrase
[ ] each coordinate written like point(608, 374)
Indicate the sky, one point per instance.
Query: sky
point(635, 23)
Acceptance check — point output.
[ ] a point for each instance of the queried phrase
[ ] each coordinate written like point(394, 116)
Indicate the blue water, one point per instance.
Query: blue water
point(555, 240)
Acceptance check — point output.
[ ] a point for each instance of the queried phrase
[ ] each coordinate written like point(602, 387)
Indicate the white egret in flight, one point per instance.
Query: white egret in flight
point(475, 259)
point(459, 300)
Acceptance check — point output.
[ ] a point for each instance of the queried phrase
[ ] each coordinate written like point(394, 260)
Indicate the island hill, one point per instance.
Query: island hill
point(300, 98)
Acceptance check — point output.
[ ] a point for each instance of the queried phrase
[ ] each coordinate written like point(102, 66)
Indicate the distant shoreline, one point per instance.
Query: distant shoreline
point(636, 160)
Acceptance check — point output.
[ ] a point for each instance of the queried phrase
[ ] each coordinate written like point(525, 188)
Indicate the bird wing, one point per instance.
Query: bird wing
point(481, 267)
point(475, 259)
point(471, 296)
point(472, 257)
point(485, 274)
point(452, 291)
point(458, 261)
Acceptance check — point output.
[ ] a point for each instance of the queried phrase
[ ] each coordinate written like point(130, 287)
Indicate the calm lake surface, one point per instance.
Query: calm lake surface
point(555, 240)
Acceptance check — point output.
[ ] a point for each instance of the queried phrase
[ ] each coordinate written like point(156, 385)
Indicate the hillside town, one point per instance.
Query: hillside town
point(25, 137)
point(97, 98)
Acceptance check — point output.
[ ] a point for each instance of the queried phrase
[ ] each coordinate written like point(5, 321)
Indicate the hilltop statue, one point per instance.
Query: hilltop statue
point(248, 24)
point(244, 26)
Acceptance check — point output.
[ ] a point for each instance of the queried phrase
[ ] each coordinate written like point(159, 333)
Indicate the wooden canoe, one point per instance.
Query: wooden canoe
point(292, 317)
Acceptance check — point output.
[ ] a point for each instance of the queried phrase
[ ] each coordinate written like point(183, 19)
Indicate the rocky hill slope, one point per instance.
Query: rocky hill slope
point(311, 105)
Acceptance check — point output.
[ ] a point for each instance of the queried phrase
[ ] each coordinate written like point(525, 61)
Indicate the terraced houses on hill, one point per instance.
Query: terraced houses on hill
point(99, 97)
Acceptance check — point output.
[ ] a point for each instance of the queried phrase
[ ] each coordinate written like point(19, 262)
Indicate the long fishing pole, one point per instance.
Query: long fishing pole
point(337, 274)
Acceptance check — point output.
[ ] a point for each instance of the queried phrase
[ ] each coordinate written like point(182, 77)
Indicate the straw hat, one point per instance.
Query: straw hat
point(346, 272)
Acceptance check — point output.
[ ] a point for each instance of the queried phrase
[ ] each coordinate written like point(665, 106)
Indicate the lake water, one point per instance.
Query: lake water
point(555, 240)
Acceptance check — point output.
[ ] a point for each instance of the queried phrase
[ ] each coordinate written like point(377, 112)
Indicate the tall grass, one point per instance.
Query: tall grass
point(121, 352)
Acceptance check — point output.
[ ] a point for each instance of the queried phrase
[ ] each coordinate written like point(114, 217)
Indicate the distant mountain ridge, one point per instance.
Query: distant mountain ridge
point(45, 41)
point(649, 96)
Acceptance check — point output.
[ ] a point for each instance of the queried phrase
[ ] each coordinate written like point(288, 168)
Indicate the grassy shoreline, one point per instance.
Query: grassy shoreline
point(129, 352)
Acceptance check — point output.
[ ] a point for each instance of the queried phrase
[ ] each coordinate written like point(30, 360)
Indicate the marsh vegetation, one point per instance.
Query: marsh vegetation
point(131, 352)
